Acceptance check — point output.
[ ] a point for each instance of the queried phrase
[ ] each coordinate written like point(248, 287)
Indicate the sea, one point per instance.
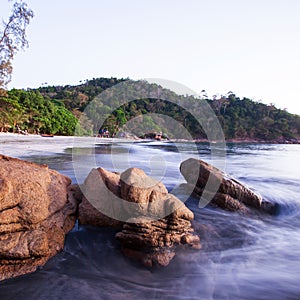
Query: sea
point(242, 257)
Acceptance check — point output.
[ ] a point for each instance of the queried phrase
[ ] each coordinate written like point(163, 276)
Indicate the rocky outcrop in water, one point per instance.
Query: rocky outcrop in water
point(38, 206)
point(153, 221)
point(220, 189)
point(37, 209)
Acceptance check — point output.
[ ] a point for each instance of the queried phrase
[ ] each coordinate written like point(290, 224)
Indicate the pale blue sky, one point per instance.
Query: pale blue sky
point(249, 47)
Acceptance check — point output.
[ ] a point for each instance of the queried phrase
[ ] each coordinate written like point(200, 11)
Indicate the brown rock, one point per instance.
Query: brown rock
point(36, 211)
point(111, 180)
point(110, 196)
point(143, 194)
point(24, 244)
point(153, 221)
point(137, 187)
point(220, 189)
point(100, 205)
point(154, 242)
point(161, 258)
point(163, 221)
point(222, 200)
point(177, 209)
point(89, 215)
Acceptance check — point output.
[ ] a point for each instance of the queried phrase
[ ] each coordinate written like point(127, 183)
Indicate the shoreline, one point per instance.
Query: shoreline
point(233, 141)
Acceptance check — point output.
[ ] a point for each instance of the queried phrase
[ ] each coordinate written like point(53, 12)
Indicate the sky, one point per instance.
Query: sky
point(250, 48)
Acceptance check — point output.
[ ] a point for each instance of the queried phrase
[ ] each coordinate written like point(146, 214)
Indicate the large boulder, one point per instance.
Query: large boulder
point(100, 204)
point(221, 189)
point(110, 199)
point(37, 209)
point(152, 221)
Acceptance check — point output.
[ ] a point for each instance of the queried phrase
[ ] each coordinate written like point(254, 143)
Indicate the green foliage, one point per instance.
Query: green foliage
point(61, 109)
point(77, 97)
point(30, 111)
point(245, 118)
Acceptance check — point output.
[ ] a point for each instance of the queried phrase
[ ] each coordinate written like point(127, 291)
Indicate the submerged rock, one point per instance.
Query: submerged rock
point(153, 222)
point(220, 189)
point(37, 209)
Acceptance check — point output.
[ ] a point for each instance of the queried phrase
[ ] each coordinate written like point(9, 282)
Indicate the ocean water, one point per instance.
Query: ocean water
point(255, 257)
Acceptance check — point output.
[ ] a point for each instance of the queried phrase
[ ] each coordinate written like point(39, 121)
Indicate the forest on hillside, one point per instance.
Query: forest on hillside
point(138, 107)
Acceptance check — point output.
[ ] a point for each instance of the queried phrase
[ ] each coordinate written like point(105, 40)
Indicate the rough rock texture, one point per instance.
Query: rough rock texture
point(103, 206)
point(222, 190)
point(153, 221)
point(153, 242)
point(37, 208)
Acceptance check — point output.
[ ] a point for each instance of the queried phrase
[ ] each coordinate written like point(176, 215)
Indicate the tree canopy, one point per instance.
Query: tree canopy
point(240, 118)
point(62, 109)
point(30, 112)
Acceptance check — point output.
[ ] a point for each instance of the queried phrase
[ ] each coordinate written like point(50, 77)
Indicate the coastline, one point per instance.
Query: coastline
point(257, 141)
point(234, 141)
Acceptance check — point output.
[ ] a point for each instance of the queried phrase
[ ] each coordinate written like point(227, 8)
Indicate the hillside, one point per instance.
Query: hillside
point(58, 109)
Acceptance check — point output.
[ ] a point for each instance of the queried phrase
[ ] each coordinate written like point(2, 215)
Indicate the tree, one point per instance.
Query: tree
point(12, 39)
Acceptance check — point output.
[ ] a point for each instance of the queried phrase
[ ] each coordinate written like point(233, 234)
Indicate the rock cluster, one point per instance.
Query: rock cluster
point(220, 189)
point(37, 209)
point(38, 206)
point(153, 221)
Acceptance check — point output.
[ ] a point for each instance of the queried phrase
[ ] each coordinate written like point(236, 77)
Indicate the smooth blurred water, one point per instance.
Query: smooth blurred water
point(242, 257)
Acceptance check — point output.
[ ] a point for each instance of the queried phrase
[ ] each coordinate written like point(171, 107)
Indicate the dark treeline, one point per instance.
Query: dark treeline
point(139, 107)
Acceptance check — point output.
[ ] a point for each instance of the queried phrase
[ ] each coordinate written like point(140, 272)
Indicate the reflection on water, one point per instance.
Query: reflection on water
point(242, 257)
point(61, 162)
